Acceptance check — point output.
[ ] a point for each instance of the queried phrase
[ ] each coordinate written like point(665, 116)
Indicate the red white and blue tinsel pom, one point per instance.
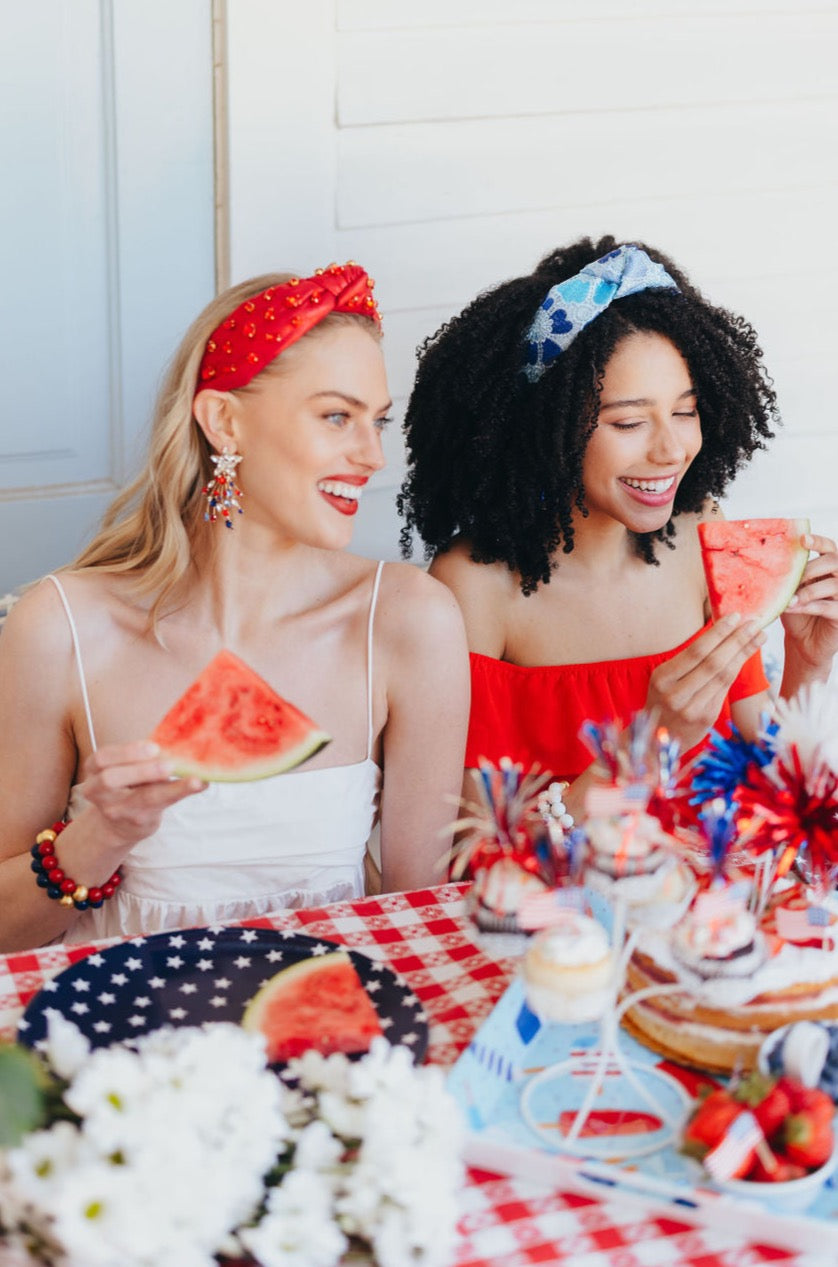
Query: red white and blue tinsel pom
point(787, 805)
point(723, 766)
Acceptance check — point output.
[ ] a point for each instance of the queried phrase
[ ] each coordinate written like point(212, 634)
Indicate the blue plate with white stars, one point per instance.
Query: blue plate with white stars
point(198, 975)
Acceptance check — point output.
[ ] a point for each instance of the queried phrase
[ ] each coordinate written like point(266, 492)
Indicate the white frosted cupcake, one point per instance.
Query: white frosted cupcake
point(569, 970)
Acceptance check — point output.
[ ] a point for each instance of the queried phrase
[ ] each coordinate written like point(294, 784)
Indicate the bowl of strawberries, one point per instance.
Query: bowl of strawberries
point(766, 1138)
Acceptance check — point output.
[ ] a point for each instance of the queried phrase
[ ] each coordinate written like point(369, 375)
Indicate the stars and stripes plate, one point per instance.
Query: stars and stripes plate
point(198, 975)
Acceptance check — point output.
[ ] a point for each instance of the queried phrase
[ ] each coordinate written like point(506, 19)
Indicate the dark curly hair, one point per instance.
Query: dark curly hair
point(498, 459)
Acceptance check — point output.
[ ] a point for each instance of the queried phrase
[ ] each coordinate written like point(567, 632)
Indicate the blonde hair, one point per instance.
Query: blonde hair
point(151, 529)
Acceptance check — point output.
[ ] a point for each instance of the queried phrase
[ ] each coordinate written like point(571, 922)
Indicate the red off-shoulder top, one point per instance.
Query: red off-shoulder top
point(533, 713)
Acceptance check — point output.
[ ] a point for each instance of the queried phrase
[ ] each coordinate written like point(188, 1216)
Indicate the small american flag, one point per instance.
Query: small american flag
point(610, 801)
point(552, 906)
point(739, 1140)
point(802, 924)
point(716, 905)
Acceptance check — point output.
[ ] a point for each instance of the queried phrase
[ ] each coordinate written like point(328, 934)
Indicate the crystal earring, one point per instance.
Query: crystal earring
point(221, 492)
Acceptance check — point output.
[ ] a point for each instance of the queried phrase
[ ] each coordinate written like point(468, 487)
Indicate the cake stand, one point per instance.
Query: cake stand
point(632, 1110)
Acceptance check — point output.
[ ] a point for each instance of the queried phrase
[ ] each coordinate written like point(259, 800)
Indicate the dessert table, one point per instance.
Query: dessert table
point(459, 974)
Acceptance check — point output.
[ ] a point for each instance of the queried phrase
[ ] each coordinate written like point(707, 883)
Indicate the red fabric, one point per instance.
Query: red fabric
point(533, 714)
point(266, 324)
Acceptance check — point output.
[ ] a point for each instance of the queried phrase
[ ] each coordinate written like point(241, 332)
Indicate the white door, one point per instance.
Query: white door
point(106, 249)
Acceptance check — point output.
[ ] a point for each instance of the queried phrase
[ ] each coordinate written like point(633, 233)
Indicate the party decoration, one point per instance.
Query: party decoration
point(507, 824)
point(793, 811)
point(716, 821)
point(722, 767)
point(809, 722)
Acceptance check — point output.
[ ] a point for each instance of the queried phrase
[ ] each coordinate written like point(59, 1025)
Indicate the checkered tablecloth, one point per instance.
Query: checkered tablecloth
point(458, 974)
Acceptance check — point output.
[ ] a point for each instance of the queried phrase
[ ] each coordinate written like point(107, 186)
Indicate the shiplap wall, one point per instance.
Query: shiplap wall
point(449, 144)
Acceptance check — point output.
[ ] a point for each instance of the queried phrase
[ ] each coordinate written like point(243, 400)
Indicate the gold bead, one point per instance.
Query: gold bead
point(46, 834)
point(80, 893)
point(66, 899)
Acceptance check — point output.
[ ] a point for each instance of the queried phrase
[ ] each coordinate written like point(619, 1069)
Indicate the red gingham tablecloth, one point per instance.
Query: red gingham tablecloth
point(459, 975)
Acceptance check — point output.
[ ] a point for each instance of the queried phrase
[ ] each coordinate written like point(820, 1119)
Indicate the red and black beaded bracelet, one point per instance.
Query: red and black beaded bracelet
point(58, 885)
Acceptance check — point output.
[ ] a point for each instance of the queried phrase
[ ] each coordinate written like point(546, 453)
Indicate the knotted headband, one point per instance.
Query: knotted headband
point(571, 305)
point(266, 324)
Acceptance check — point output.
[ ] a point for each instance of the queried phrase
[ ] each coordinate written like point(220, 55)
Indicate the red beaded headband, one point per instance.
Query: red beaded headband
point(266, 324)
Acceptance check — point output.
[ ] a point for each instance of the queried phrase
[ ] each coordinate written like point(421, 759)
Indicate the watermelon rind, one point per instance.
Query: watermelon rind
point(713, 538)
point(230, 726)
point(294, 757)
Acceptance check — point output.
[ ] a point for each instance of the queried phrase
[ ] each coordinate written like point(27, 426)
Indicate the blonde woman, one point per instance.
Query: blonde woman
point(280, 382)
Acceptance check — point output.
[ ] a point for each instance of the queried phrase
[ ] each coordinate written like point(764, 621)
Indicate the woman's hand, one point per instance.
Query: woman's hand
point(127, 787)
point(689, 690)
point(811, 619)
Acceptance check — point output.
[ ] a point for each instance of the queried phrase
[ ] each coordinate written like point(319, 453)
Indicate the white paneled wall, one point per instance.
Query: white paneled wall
point(106, 250)
point(450, 144)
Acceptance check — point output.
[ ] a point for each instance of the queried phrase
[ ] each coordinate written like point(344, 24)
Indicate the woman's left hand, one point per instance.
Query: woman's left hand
point(811, 619)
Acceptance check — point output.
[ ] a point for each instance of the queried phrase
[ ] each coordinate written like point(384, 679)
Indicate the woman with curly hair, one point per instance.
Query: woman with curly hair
point(566, 433)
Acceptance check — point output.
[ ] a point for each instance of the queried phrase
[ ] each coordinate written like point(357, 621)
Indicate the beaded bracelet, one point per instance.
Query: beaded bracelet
point(59, 886)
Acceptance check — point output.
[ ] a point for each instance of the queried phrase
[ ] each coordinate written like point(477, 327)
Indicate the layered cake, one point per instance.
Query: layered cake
point(735, 986)
point(568, 970)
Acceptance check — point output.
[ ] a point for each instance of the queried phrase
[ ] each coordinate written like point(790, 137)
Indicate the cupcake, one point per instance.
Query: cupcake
point(719, 938)
point(496, 895)
point(626, 844)
point(631, 860)
point(568, 970)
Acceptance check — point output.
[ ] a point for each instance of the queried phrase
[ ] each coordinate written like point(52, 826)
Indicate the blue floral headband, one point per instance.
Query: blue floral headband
point(570, 305)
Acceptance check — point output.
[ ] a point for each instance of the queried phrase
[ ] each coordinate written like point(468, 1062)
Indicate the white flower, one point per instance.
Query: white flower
point(298, 1228)
point(67, 1047)
point(318, 1072)
point(177, 1133)
point(317, 1148)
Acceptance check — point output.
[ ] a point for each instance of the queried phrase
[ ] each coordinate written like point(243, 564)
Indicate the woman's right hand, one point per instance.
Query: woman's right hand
point(689, 690)
point(127, 787)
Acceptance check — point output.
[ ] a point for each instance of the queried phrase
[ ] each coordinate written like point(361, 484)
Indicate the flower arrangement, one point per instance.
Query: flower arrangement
point(184, 1149)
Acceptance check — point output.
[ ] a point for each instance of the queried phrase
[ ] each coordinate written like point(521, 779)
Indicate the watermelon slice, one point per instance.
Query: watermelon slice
point(229, 726)
point(607, 1122)
point(317, 1003)
point(753, 566)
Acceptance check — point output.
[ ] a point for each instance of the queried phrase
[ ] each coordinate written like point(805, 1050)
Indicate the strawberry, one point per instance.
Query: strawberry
point(773, 1111)
point(808, 1099)
point(709, 1123)
point(807, 1140)
point(768, 1100)
point(816, 1103)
